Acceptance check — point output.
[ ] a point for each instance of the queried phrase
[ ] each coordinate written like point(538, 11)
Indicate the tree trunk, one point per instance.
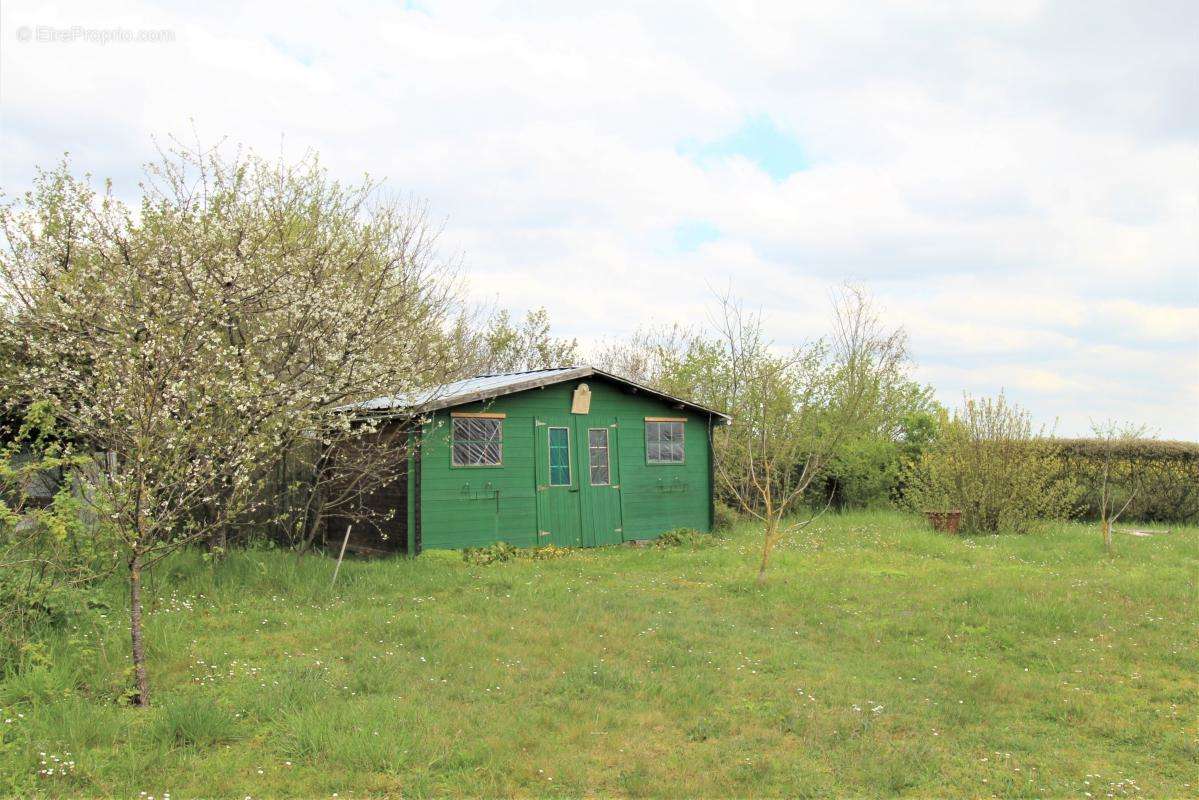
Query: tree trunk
point(1107, 535)
point(218, 541)
point(316, 518)
point(142, 698)
point(767, 547)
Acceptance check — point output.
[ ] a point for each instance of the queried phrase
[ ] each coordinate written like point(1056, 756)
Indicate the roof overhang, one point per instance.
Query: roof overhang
point(537, 381)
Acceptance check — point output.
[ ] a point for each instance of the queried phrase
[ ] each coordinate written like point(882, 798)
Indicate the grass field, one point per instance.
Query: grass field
point(880, 659)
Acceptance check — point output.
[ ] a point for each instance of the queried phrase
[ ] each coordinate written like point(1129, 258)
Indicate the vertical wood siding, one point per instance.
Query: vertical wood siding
point(474, 506)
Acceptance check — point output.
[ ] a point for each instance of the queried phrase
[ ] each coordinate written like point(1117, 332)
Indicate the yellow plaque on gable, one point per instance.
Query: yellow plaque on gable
point(581, 403)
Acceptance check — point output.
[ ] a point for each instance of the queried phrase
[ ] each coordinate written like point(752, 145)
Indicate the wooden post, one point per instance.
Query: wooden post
point(341, 555)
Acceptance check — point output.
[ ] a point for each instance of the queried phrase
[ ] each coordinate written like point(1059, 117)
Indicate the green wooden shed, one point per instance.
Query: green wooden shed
point(574, 457)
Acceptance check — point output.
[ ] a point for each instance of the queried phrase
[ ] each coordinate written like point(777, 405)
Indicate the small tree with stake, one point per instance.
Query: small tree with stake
point(193, 342)
point(1119, 482)
point(793, 409)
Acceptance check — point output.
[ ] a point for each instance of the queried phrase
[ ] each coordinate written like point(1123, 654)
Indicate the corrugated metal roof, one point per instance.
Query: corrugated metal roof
point(450, 392)
point(485, 387)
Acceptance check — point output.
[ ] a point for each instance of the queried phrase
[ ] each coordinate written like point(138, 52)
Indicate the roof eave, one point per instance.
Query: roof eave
point(440, 404)
point(512, 388)
point(661, 394)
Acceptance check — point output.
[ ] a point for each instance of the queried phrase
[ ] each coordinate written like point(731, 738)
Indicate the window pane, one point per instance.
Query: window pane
point(664, 442)
point(559, 446)
point(597, 450)
point(477, 442)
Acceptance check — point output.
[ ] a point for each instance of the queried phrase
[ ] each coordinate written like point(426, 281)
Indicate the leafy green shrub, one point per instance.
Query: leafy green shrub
point(51, 546)
point(683, 537)
point(863, 474)
point(866, 470)
point(491, 554)
point(990, 464)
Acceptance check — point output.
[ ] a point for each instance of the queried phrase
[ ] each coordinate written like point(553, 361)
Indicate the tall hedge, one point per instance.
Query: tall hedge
point(1166, 473)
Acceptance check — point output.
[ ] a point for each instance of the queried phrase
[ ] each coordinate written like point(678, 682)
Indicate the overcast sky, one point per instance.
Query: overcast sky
point(1017, 182)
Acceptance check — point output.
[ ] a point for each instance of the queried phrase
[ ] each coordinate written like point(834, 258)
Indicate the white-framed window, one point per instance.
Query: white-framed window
point(664, 441)
point(597, 456)
point(477, 442)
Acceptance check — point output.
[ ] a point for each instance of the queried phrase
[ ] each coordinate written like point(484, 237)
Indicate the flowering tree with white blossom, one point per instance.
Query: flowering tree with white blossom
point(189, 341)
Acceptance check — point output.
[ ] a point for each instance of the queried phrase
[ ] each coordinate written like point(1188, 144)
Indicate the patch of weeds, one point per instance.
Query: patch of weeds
point(636, 780)
point(684, 537)
point(725, 517)
point(363, 735)
point(584, 680)
point(496, 553)
point(501, 552)
point(79, 723)
point(704, 729)
point(193, 721)
point(795, 723)
point(298, 686)
point(899, 767)
point(550, 551)
point(42, 683)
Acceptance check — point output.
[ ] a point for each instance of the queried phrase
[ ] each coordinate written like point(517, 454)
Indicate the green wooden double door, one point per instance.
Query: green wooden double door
point(578, 482)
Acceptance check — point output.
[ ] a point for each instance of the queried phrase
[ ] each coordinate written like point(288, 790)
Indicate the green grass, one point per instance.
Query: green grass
point(880, 659)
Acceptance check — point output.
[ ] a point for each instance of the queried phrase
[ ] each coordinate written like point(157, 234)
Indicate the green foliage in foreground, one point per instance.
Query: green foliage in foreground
point(879, 659)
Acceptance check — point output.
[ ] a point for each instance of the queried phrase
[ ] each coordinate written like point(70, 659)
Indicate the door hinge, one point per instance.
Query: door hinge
point(616, 486)
point(543, 533)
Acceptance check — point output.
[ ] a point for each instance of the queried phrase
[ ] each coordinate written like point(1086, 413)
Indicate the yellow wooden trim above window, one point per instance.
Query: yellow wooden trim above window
point(665, 419)
point(479, 415)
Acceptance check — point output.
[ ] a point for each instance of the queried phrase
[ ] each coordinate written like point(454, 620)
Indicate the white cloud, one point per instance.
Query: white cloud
point(1018, 182)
